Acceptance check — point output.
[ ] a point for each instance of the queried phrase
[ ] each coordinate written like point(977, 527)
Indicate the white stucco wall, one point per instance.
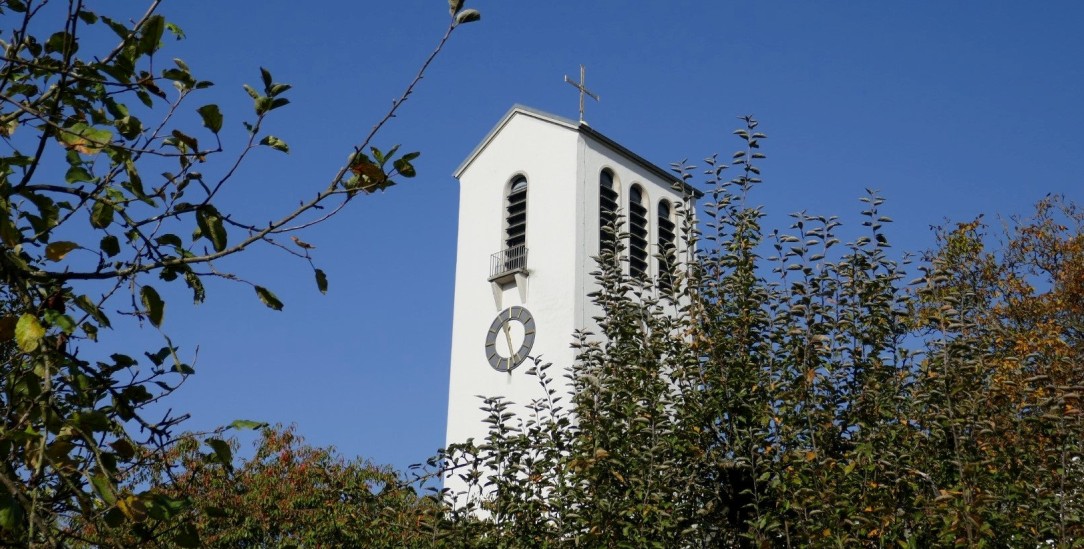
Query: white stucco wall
point(545, 153)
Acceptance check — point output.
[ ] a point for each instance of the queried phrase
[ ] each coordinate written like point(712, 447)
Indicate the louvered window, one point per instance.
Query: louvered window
point(516, 228)
point(667, 247)
point(607, 211)
point(637, 232)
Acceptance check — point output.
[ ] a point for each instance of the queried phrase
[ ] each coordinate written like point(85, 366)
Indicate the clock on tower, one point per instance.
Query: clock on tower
point(533, 197)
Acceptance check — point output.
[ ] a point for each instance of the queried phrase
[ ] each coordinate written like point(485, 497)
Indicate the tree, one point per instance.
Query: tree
point(81, 254)
point(287, 494)
point(791, 389)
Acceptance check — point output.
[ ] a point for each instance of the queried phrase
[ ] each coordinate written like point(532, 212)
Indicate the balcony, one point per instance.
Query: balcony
point(507, 263)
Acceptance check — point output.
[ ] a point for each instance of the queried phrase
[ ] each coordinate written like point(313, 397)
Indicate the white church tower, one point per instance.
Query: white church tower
point(533, 197)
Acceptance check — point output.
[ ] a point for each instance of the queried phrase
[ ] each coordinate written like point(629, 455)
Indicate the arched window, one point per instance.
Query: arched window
point(515, 231)
point(667, 240)
point(607, 211)
point(637, 232)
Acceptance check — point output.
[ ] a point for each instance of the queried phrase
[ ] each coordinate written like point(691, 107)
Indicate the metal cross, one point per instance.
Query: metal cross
point(583, 91)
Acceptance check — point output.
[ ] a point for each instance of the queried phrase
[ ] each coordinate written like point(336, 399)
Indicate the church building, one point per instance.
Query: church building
point(534, 197)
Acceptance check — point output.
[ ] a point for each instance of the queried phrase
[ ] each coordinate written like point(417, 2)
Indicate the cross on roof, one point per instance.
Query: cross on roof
point(583, 91)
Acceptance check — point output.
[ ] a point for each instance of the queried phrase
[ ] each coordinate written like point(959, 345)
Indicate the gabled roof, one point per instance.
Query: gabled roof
point(583, 129)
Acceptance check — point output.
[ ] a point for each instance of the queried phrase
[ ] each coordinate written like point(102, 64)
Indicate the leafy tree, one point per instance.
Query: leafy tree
point(91, 233)
point(791, 388)
point(287, 494)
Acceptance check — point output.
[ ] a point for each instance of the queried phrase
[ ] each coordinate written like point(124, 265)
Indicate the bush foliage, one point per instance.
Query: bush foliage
point(797, 389)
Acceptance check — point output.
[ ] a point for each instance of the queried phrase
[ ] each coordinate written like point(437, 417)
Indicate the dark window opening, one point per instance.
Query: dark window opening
point(516, 229)
point(607, 211)
point(667, 247)
point(637, 232)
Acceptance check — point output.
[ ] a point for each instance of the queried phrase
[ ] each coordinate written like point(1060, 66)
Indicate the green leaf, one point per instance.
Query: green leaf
point(104, 488)
point(114, 517)
point(275, 143)
point(156, 308)
point(467, 16)
point(216, 512)
point(59, 42)
point(212, 117)
point(278, 89)
point(56, 251)
point(187, 536)
point(222, 452)
point(266, 77)
point(129, 126)
point(278, 102)
point(49, 213)
point(196, 285)
point(11, 513)
point(78, 173)
point(110, 245)
point(405, 168)
point(152, 29)
point(9, 234)
point(28, 333)
point(175, 30)
point(188, 140)
point(251, 92)
point(321, 281)
point(123, 448)
point(60, 320)
point(263, 104)
point(268, 298)
point(454, 6)
point(101, 214)
point(247, 424)
point(84, 303)
point(211, 227)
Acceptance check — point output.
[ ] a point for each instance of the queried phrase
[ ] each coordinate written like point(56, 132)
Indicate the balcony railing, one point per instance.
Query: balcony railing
point(508, 262)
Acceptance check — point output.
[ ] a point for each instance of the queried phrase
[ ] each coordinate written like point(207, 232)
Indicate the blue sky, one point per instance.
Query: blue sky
point(949, 109)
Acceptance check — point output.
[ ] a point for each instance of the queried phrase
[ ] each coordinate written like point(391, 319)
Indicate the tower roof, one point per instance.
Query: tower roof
point(583, 129)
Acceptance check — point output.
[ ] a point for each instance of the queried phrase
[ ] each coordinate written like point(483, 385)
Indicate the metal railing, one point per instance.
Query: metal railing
point(508, 260)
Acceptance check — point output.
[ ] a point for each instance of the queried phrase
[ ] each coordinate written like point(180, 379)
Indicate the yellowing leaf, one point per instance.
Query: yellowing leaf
point(133, 508)
point(56, 251)
point(85, 139)
point(28, 333)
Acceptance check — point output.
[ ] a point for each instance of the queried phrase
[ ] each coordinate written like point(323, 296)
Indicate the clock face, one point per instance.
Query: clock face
point(510, 338)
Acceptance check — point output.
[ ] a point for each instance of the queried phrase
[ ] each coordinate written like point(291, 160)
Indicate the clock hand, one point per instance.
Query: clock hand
point(508, 338)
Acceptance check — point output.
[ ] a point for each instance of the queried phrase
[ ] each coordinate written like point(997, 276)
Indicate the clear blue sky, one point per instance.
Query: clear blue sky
point(950, 109)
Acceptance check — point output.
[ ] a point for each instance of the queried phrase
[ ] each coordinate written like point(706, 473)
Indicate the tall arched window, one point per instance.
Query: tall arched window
point(607, 210)
point(637, 232)
point(515, 231)
point(667, 240)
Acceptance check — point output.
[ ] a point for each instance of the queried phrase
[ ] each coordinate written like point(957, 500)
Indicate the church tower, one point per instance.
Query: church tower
point(533, 197)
